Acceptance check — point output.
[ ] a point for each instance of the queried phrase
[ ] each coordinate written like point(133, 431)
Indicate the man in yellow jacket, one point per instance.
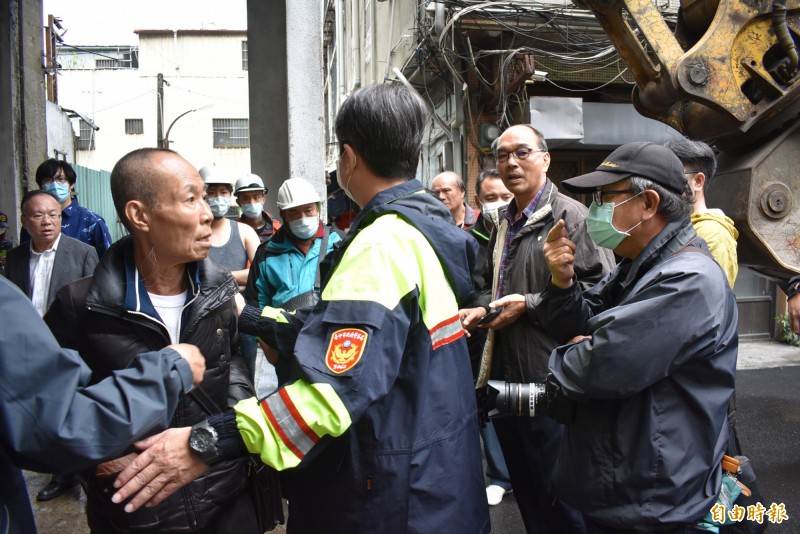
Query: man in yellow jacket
point(716, 228)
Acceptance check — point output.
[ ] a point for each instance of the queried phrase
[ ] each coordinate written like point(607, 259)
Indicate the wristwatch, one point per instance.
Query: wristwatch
point(203, 442)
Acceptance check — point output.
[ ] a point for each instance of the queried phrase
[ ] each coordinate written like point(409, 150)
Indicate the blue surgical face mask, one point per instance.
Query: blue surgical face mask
point(304, 228)
point(253, 211)
point(59, 189)
point(219, 206)
point(600, 226)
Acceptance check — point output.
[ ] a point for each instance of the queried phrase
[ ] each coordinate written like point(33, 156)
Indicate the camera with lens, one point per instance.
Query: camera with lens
point(505, 399)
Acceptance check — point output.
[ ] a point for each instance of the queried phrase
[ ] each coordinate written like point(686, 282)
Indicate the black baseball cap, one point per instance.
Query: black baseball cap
point(654, 162)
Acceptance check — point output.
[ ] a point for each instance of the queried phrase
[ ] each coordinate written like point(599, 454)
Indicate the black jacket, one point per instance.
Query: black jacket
point(105, 319)
point(50, 419)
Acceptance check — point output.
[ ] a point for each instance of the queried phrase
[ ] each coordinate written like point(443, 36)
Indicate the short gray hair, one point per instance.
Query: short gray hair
point(672, 206)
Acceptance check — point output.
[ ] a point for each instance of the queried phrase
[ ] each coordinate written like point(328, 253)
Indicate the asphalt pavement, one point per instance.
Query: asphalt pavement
point(768, 421)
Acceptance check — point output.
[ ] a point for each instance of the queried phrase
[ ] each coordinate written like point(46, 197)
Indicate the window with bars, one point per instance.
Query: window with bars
point(85, 136)
point(231, 133)
point(244, 55)
point(134, 126)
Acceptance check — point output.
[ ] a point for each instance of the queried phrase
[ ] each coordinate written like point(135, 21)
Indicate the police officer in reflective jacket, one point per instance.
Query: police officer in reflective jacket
point(381, 421)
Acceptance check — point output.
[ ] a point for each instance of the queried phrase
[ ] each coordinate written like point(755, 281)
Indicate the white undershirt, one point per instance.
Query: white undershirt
point(41, 272)
point(170, 308)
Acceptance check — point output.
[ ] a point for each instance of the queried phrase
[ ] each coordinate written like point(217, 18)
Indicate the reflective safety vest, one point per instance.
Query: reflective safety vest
point(382, 427)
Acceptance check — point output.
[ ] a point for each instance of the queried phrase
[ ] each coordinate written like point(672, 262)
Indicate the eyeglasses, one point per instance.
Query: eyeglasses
point(39, 217)
point(60, 179)
point(691, 172)
point(519, 154)
point(597, 196)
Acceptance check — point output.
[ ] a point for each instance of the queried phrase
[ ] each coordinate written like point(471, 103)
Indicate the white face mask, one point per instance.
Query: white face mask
point(304, 228)
point(491, 211)
point(219, 206)
point(253, 211)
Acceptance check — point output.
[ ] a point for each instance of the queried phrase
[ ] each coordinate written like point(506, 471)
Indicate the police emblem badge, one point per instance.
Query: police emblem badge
point(345, 349)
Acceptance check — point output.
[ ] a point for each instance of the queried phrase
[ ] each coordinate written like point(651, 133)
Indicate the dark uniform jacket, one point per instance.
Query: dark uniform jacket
point(51, 420)
point(520, 350)
point(110, 323)
point(384, 368)
point(654, 383)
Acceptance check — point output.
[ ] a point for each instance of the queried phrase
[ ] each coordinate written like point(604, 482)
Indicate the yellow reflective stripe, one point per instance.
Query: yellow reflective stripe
point(286, 425)
point(369, 269)
point(274, 313)
point(385, 262)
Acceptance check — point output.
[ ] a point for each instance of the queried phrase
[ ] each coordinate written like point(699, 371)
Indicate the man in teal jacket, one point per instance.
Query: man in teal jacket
point(285, 268)
point(382, 419)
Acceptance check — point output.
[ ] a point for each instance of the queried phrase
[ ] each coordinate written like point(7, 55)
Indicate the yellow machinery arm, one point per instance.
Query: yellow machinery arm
point(728, 74)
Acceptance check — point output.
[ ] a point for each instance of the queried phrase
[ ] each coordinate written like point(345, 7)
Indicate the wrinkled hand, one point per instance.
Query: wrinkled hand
point(470, 317)
point(165, 465)
point(196, 360)
point(513, 308)
point(793, 306)
point(559, 252)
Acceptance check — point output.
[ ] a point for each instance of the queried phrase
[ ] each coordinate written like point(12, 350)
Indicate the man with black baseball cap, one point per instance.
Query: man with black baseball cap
point(649, 355)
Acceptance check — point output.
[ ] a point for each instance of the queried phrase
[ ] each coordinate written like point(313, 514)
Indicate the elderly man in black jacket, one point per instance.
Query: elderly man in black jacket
point(151, 289)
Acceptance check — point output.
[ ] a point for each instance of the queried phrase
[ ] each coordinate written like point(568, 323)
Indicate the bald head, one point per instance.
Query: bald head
point(137, 176)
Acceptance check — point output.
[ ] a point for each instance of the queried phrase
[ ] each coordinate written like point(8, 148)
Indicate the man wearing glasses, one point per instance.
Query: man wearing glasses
point(58, 178)
point(517, 347)
point(42, 266)
point(650, 353)
point(50, 260)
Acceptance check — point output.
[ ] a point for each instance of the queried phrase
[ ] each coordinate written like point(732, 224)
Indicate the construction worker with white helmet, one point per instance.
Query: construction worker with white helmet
point(233, 244)
point(285, 271)
point(251, 193)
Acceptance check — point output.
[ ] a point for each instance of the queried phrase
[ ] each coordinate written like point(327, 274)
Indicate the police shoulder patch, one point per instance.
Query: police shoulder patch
point(345, 349)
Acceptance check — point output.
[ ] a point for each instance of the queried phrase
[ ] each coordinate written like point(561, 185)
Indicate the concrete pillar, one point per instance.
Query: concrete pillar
point(23, 135)
point(284, 43)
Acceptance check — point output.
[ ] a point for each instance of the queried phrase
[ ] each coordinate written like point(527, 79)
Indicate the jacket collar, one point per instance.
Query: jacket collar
point(674, 236)
point(114, 282)
point(384, 197)
point(455, 249)
point(136, 298)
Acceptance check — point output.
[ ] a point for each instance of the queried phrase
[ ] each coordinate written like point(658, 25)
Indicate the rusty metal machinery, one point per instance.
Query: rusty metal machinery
point(727, 74)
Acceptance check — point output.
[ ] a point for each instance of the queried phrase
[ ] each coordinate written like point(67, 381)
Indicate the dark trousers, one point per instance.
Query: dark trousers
point(530, 447)
point(16, 516)
point(596, 528)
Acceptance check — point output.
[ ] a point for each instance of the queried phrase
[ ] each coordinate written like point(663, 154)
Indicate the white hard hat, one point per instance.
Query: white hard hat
point(296, 192)
point(211, 174)
point(249, 182)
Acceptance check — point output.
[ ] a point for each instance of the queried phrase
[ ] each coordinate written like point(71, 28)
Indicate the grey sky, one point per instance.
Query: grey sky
point(111, 22)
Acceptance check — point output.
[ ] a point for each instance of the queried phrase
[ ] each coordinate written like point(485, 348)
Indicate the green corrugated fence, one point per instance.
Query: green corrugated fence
point(94, 192)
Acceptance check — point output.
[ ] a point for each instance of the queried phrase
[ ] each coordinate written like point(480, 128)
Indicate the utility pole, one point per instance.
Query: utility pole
point(160, 111)
point(51, 66)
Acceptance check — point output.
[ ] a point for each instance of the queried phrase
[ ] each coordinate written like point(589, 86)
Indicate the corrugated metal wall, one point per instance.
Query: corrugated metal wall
point(94, 192)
